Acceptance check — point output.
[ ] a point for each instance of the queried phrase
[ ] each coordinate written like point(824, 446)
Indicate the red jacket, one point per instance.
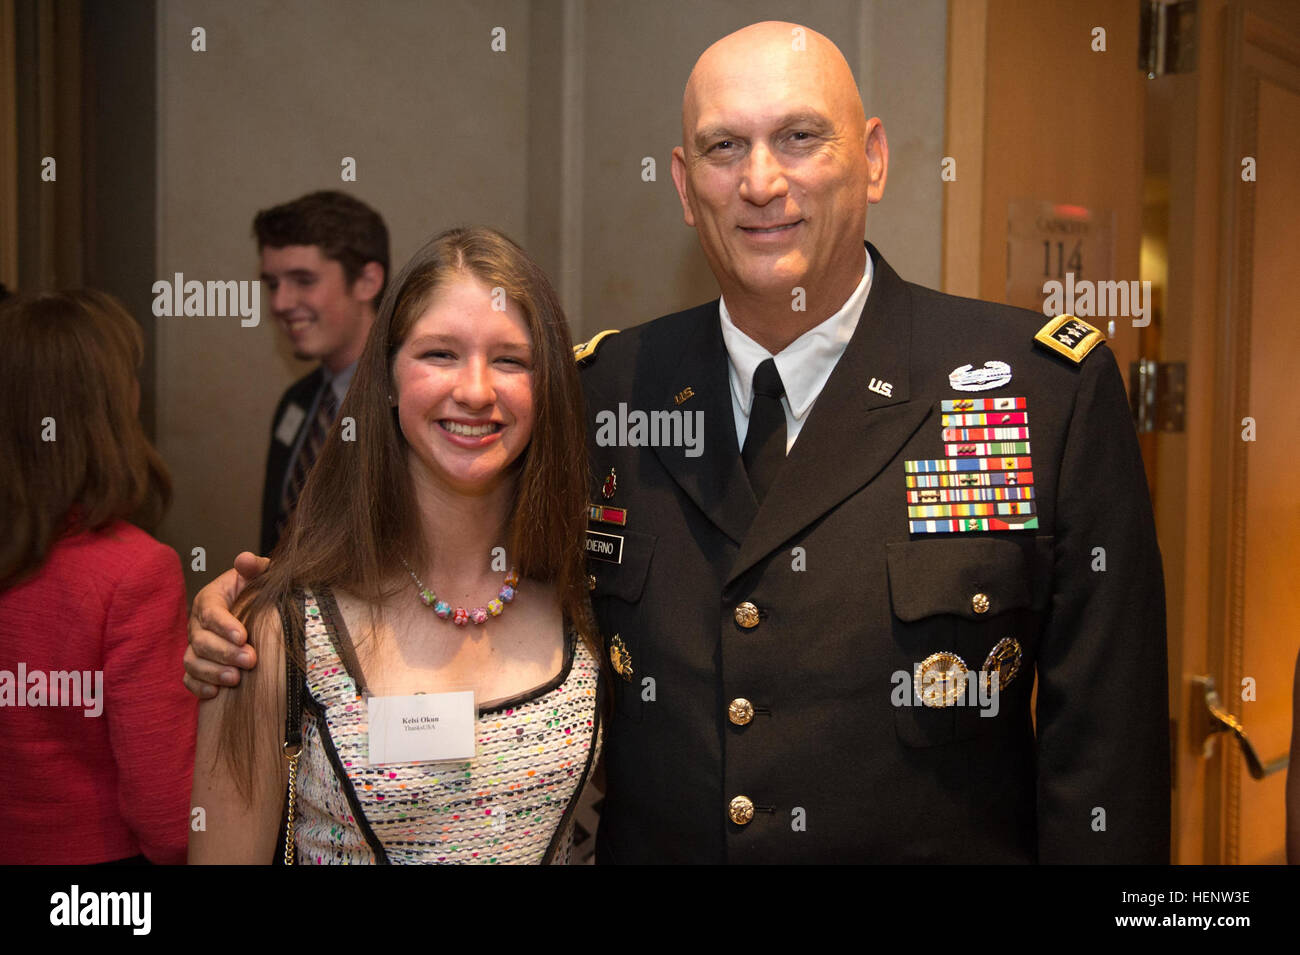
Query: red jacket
point(85, 788)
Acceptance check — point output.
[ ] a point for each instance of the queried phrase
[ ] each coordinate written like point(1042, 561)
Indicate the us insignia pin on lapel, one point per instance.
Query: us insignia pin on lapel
point(994, 374)
point(687, 392)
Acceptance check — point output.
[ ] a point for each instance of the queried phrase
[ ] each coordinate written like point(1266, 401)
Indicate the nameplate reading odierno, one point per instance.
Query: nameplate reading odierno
point(605, 546)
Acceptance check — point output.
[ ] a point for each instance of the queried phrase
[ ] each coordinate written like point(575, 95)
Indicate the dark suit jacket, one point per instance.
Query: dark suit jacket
point(278, 458)
point(849, 598)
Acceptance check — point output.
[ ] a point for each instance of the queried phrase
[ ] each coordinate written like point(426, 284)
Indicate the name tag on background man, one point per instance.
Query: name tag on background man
point(289, 424)
point(422, 728)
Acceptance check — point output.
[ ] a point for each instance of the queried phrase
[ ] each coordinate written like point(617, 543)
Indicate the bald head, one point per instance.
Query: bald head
point(772, 51)
point(777, 166)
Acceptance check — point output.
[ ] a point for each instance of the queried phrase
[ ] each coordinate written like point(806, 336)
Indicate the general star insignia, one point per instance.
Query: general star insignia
point(1070, 336)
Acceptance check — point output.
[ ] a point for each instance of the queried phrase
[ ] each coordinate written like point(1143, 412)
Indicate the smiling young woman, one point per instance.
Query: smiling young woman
point(463, 381)
point(439, 552)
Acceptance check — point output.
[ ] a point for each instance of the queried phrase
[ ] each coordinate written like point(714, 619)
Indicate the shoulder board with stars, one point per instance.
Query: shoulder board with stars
point(586, 351)
point(1070, 336)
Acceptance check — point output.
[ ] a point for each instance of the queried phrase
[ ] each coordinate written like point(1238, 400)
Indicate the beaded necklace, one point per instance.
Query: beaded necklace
point(460, 616)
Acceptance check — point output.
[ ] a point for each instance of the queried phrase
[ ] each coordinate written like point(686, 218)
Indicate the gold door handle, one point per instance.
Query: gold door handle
point(1220, 721)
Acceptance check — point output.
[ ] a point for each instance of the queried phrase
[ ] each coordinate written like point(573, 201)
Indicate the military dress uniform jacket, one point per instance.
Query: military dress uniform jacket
point(280, 455)
point(792, 738)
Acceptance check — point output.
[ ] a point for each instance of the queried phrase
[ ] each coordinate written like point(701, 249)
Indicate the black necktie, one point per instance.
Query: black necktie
point(764, 450)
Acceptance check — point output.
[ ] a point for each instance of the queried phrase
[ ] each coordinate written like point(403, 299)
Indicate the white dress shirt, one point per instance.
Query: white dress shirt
point(804, 365)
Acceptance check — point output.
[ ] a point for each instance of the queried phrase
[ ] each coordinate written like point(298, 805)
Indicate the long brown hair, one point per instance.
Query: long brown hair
point(356, 517)
point(78, 456)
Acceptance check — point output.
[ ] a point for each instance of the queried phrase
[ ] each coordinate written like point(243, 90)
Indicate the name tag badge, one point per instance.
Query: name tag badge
point(289, 424)
point(422, 728)
point(605, 546)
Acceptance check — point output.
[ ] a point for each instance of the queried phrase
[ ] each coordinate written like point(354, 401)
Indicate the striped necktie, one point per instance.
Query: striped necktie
point(326, 409)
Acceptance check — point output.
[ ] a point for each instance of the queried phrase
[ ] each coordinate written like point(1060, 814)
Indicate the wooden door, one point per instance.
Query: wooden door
point(1224, 517)
point(1254, 518)
point(1033, 108)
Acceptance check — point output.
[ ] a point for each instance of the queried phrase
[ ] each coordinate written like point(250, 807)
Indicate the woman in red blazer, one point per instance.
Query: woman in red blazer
point(96, 732)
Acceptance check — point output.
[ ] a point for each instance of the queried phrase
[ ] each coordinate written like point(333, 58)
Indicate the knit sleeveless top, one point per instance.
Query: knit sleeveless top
point(512, 803)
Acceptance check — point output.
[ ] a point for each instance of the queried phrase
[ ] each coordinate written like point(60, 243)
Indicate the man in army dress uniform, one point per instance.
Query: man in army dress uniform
point(826, 623)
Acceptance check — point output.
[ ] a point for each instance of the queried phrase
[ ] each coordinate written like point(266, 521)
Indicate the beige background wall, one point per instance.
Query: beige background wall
point(544, 141)
point(283, 93)
point(636, 57)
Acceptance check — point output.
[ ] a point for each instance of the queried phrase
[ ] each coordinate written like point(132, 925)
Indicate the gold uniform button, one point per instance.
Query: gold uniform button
point(591, 581)
point(741, 810)
point(747, 615)
point(740, 711)
point(980, 603)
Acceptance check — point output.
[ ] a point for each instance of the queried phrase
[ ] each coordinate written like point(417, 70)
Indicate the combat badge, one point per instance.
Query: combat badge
point(619, 658)
point(1070, 336)
point(994, 374)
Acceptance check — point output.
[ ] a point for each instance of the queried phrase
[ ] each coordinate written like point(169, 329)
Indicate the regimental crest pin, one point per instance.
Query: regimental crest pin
point(619, 658)
point(610, 486)
point(994, 374)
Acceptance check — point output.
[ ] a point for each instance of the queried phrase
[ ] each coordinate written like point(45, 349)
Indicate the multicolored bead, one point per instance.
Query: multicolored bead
point(495, 607)
point(442, 609)
point(428, 596)
point(479, 615)
point(460, 617)
point(507, 593)
point(512, 579)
